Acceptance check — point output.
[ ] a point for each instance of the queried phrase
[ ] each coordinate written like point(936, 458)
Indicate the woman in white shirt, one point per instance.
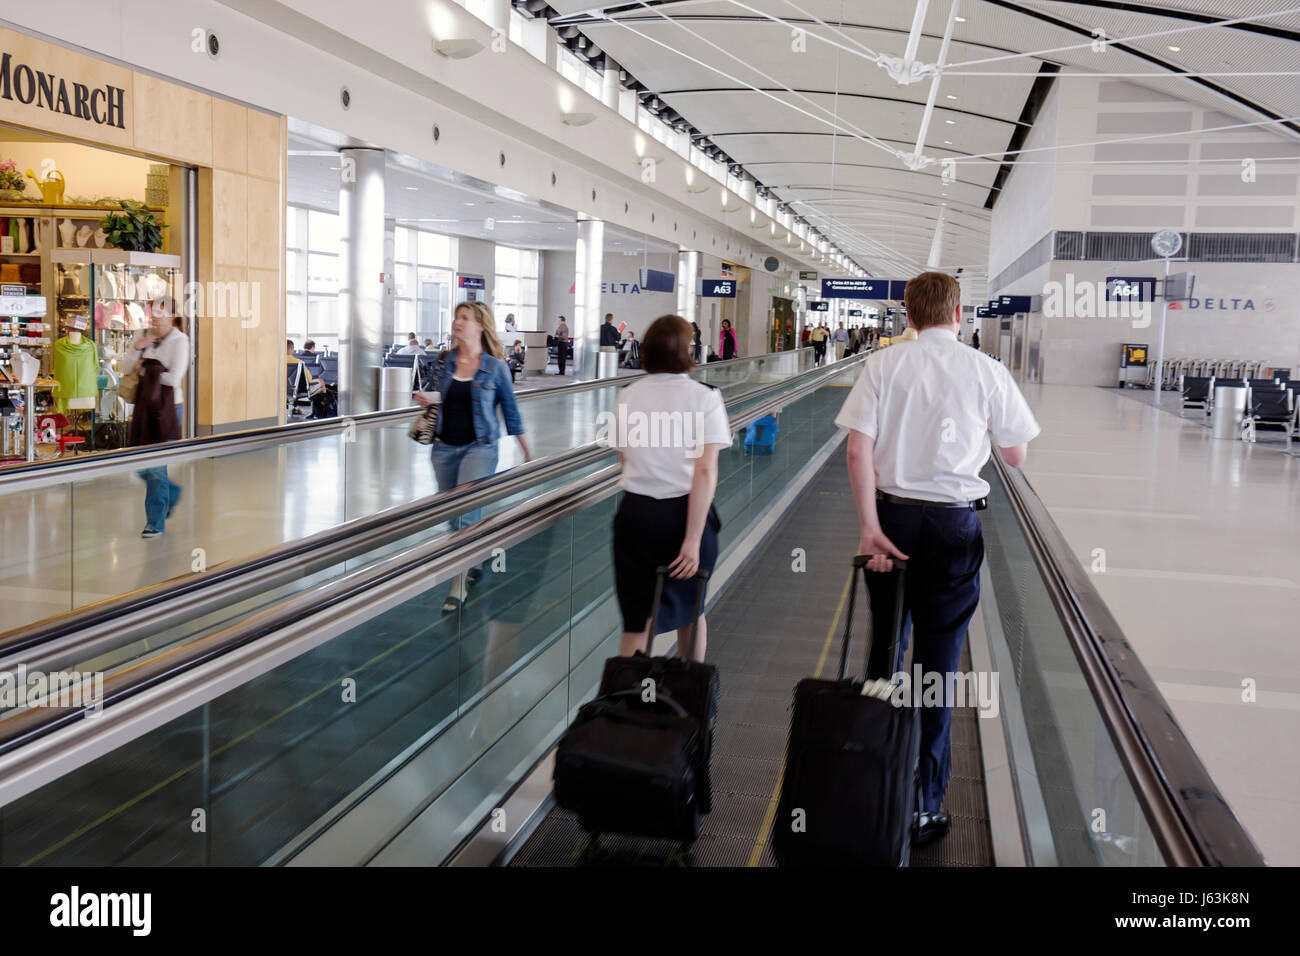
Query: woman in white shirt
point(669, 430)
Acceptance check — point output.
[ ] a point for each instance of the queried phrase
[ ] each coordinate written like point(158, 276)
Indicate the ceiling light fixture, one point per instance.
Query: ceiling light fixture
point(951, 122)
point(578, 118)
point(458, 48)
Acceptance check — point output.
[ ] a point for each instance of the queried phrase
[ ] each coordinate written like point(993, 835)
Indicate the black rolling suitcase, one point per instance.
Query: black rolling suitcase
point(850, 786)
point(636, 759)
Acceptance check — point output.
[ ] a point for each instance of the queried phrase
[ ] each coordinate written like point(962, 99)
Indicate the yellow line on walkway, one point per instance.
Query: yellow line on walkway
point(765, 829)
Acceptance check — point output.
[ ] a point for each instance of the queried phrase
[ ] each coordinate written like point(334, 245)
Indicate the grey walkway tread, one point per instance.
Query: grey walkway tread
point(769, 630)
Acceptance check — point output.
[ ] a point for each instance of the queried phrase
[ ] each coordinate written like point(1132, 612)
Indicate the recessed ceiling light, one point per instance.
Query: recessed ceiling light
point(412, 188)
point(951, 122)
point(951, 97)
point(960, 19)
point(1174, 49)
point(947, 142)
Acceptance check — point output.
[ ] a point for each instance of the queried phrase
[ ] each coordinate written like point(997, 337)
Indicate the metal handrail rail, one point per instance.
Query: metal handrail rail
point(119, 619)
point(17, 477)
point(1189, 817)
point(29, 726)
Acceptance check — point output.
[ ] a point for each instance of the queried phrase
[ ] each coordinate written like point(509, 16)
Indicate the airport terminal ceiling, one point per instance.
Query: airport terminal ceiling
point(798, 94)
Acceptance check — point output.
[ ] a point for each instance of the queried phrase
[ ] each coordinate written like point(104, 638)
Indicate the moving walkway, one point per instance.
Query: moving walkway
point(313, 705)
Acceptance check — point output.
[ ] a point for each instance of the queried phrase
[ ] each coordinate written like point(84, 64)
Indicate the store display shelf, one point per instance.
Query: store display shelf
point(114, 257)
point(20, 255)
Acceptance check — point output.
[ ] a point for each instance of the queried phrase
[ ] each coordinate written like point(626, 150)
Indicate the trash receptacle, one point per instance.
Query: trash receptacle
point(606, 362)
point(394, 387)
point(1228, 411)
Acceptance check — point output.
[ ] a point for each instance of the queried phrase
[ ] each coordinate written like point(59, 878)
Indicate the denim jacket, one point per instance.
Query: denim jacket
point(490, 387)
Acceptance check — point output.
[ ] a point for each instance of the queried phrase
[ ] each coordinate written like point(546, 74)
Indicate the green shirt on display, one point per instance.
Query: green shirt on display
point(76, 371)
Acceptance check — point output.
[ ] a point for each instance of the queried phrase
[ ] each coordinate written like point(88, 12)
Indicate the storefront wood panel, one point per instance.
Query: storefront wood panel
point(240, 156)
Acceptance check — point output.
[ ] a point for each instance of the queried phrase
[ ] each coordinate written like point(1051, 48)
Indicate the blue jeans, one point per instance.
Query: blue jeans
point(160, 496)
point(457, 464)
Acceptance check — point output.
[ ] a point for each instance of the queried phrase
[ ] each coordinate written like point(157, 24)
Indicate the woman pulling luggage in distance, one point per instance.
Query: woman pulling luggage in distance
point(471, 382)
point(666, 516)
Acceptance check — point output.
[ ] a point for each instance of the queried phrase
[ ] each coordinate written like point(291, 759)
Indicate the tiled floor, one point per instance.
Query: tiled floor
point(1201, 546)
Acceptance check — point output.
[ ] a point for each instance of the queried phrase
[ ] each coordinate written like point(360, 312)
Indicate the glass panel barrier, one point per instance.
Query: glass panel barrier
point(72, 541)
point(478, 694)
point(1080, 807)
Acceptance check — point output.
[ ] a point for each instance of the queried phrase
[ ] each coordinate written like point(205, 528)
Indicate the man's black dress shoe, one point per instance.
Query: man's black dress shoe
point(930, 826)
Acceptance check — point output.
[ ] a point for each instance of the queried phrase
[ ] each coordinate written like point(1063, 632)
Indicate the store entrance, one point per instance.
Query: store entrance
point(78, 291)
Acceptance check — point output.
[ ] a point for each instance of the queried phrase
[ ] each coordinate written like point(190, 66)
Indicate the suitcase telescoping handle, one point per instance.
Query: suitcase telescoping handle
point(701, 577)
point(860, 563)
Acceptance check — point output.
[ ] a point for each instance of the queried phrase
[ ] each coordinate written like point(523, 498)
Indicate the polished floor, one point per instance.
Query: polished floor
point(67, 544)
point(1198, 541)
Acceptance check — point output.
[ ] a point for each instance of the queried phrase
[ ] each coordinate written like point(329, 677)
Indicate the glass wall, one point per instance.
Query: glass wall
point(515, 287)
point(423, 268)
point(312, 283)
point(424, 264)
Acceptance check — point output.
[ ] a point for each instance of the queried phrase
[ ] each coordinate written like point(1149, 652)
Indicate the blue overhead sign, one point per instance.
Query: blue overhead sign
point(820, 305)
point(855, 288)
point(718, 288)
point(1131, 289)
point(896, 288)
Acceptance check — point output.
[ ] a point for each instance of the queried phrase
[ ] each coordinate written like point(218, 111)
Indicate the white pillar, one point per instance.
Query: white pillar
point(588, 265)
point(361, 306)
point(499, 16)
point(609, 86)
point(688, 277)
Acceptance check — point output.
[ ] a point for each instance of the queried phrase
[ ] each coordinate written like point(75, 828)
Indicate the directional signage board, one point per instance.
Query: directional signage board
point(855, 288)
point(855, 313)
point(1012, 304)
point(982, 312)
point(896, 288)
point(806, 275)
point(1131, 289)
point(820, 305)
point(718, 288)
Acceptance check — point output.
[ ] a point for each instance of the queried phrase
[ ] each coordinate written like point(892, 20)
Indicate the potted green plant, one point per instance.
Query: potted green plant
point(13, 184)
point(134, 229)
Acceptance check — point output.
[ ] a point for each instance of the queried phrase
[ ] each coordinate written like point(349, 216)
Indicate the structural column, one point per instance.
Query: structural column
point(588, 265)
point(361, 293)
point(609, 86)
point(499, 16)
point(688, 280)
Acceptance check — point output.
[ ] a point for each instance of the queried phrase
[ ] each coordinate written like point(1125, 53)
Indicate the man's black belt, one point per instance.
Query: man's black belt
point(977, 505)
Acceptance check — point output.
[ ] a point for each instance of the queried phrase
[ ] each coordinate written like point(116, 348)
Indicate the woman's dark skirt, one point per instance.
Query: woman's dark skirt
point(648, 534)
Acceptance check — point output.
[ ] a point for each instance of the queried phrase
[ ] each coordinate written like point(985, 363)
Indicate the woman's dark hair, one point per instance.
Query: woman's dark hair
point(666, 347)
point(727, 323)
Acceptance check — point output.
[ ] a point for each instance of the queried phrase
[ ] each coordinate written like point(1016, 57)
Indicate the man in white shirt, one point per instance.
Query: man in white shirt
point(922, 418)
point(412, 346)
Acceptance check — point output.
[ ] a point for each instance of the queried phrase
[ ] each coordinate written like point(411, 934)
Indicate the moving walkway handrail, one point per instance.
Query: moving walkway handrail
point(19, 477)
point(81, 633)
point(28, 761)
point(1189, 817)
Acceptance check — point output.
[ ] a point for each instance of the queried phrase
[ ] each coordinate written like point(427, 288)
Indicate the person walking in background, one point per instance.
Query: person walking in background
point(697, 344)
point(727, 341)
point(841, 340)
point(666, 515)
point(975, 340)
point(162, 359)
point(561, 344)
point(608, 332)
point(921, 423)
point(472, 382)
point(818, 337)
